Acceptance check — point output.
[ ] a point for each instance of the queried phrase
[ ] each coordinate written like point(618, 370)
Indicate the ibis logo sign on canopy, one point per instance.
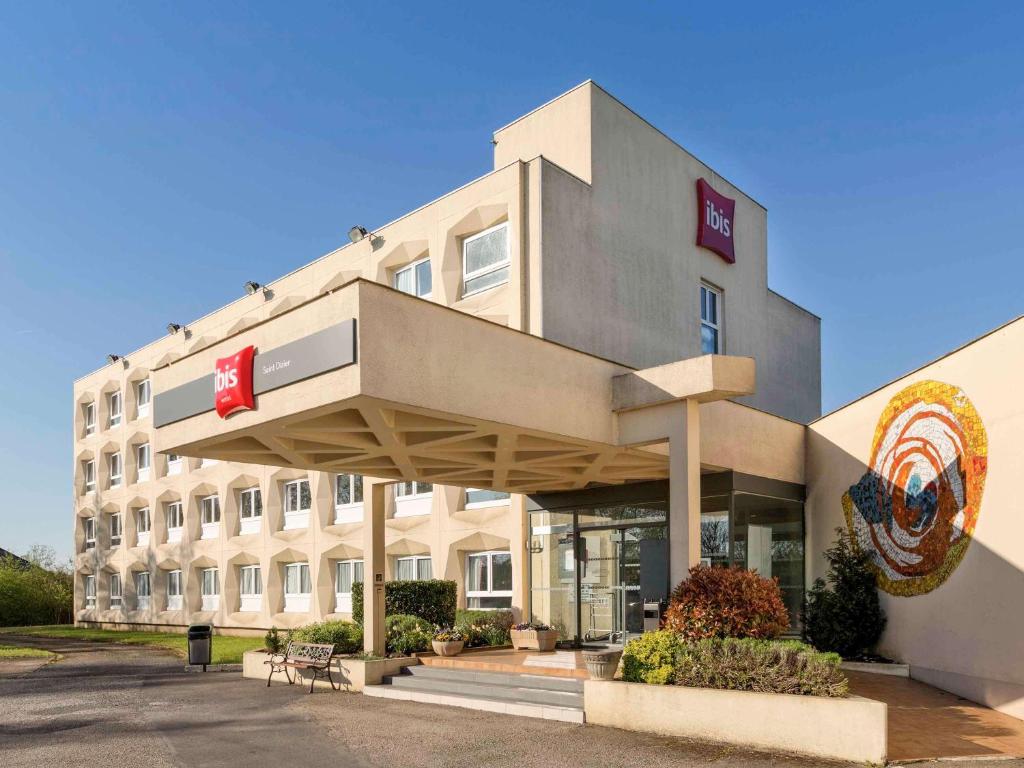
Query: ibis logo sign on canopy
point(715, 221)
point(232, 383)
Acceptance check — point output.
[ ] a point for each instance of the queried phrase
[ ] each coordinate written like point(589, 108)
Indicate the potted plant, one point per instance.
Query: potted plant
point(448, 642)
point(535, 636)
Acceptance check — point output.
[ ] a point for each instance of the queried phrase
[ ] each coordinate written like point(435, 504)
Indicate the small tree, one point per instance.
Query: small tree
point(843, 614)
point(726, 602)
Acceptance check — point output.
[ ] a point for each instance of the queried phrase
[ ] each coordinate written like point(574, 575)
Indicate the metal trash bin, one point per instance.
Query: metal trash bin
point(200, 644)
point(652, 616)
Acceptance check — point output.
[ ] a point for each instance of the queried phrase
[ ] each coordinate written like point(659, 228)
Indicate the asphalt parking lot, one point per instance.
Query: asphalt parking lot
point(125, 706)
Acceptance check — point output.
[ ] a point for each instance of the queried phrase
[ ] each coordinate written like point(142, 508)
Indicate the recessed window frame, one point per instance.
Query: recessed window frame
point(209, 516)
point(252, 520)
point(143, 590)
point(355, 574)
point(174, 464)
point(711, 317)
point(479, 498)
point(143, 396)
point(295, 515)
point(116, 529)
point(175, 590)
point(89, 475)
point(209, 589)
point(89, 418)
point(174, 513)
point(418, 564)
point(505, 264)
point(350, 511)
point(250, 588)
point(89, 588)
point(144, 460)
point(297, 575)
point(116, 405)
point(116, 592)
point(490, 593)
point(143, 526)
point(116, 463)
point(413, 268)
point(90, 532)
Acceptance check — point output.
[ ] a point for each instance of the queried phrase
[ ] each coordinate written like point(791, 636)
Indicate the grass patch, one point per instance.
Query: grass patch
point(226, 650)
point(19, 652)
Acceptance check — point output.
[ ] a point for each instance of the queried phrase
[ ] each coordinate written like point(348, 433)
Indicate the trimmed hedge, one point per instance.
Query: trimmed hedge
point(433, 600)
point(485, 627)
point(346, 636)
point(749, 664)
point(726, 602)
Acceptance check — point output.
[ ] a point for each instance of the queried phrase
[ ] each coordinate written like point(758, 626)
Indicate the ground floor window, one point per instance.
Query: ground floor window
point(142, 590)
point(346, 573)
point(209, 589)
point(417, 568)
point(174, 591)
point(250, 587)
point(489, 580)
point(115, 590)
point(297, 587)
point(90, 591)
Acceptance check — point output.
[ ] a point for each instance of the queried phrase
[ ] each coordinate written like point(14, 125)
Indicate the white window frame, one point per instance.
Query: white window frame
point(142, 534)
point(116, 592)
point(90, 532)
point(483, 271)
point(142, 601)
point(412, 266)
point(143, 388)
point(89, 414)
point(209, 589)
point(174, 531)
point(254, 521)
point(483, 503)
point(342, 599)
point(143, 452)
point(89, 586)
point(209, 516)
point(707, 291)
point(175, 600)
point(411, 500)
point(251, 601)
point(352, 511)
point(298, 517)
point(297, 602)
point(174, 464)
point(490, 591)
point(116, 416)
point(89, 475)
point(415, 559)
point(116, 529)
point(116, 478)
point(203, 463)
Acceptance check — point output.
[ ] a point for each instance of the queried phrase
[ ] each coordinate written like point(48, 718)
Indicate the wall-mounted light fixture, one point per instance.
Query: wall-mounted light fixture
point(113, 358)
point(357, 233)
point(173, 328)
point(251, 286)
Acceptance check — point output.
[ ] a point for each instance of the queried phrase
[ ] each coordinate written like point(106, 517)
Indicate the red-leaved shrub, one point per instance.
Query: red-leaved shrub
point(726, 602)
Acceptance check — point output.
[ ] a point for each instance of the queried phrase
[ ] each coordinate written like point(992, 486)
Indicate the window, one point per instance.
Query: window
point(410, 490)
point(412, 499)
point(346, 573)
point(209, 588)
point(116, 469)
point(115, 591)
point(348, 499)
point(297, 502)
point(89, 473)
point(710, 321)
point(415, 279)
point(173, 464)
point(489, 580)
point(116, 529)
point(142, 397)
point(115, 408)
point(208, 463)
point(251, 587)
point(174, 601)
point(485, 260)
point(90, 532)
point(143, 524)
point(90, 591)
point(143, 457)
point(297, 587)
point(481, 497)
point(250, 503)
point(175, 521)
point(413, 568)
point(89, 411)
point(142, 590)
point(209, 509)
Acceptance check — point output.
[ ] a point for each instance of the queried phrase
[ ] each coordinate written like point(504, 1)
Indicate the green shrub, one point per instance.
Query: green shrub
point(652, 658)
point(844, 615)
point(272, 641)
point(726, 602)
point(485, 627)
point(406, 634)
point(35, 591)
point(433, 600)
point(346, 636)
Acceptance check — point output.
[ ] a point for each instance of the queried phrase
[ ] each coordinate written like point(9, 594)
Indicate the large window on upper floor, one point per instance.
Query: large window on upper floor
point(174, 464)
point(209, 509)
point(116, 469)
point(89, 475)
point(89, 526)
point(483, 497)
point(90, 591)
point(415, 279)
point(710, 320)
point(489, 580)
point(297, 503)
point(416, 568)
point(143, 524)
point(89, 416)
point(250, 588)
point(250, 511)
point(116, 403)
point(143, 394)
point(348, 498)
point(144, 457)
point(174, 592)
point(209, 589)
point(116, 529)
point(175, 521)
point(143, 590)
point(485, 259)
point(412, 499)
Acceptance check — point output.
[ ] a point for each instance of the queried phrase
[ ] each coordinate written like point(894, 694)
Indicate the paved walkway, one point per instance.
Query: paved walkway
point(925, 722)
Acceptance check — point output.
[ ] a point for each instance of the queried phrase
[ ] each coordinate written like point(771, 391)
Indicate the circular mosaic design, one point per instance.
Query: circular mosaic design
point(916, 507)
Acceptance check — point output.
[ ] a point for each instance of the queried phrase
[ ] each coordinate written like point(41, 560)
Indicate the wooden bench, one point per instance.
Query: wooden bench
point(315, 657)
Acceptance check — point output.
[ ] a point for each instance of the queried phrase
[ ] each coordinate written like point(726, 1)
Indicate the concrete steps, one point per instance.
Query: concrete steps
point(550, 698)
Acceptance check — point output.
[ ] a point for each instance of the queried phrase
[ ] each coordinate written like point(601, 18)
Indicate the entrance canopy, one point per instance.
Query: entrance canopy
point(367, 380)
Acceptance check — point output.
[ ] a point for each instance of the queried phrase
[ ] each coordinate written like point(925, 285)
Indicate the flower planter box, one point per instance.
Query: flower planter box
point(448, 647)
point(351, 674)
point(534, 639)
point(851, 729)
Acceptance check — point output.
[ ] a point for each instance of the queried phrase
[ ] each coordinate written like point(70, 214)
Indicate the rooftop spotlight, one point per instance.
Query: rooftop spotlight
point(251, 286)
point(113, 358)
point(173, 328)
point(357, 233)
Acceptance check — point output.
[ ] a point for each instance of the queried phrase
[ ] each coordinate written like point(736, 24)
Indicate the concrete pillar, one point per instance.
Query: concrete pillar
point(684, 490)
point(373, 566)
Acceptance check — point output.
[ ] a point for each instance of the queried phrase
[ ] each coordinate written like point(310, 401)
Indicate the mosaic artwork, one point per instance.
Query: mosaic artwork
point(916, 507)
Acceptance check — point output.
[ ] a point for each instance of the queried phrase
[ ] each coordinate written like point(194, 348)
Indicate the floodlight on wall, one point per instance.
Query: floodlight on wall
point(113, 358)
point(357, 233)
point(251, 286)
point(173, 328)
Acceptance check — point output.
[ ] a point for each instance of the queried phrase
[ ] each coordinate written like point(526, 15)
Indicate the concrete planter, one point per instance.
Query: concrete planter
point(534, 639)
point(350, 674)
point(852, 729)
point(448, 647)
point(602, 665)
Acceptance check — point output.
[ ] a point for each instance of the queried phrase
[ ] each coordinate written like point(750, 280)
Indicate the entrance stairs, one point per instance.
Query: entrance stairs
point(526, 695)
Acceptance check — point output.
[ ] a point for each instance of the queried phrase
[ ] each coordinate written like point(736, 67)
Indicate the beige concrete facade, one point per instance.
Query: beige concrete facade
point(529, 384)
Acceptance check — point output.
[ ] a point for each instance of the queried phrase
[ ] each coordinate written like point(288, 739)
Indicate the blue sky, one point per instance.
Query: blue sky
point(153, 159)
